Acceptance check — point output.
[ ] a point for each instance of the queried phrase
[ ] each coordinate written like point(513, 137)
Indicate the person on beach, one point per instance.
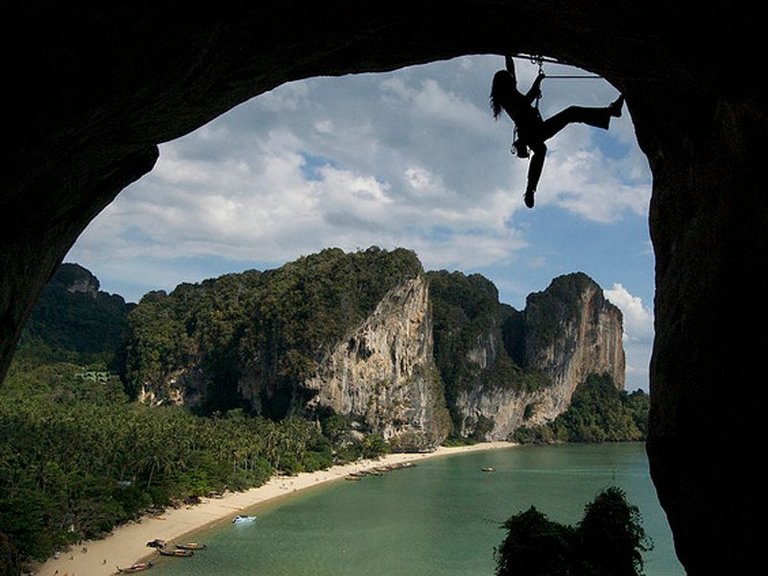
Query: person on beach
point(532, 130)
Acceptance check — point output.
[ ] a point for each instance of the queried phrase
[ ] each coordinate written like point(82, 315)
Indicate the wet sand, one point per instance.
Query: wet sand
point(128, 544)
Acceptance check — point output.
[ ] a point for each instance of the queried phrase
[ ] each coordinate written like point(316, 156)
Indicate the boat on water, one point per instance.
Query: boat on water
point(179, 552)
point(243, 519)
point(133, 568)
point(191, 546)
point(487, 469)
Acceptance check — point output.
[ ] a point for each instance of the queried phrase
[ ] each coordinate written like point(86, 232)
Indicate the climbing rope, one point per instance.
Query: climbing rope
point(540, 60)
point(572, 76)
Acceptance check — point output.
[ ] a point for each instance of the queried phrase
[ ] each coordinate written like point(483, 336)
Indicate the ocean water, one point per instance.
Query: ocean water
point(440, 518)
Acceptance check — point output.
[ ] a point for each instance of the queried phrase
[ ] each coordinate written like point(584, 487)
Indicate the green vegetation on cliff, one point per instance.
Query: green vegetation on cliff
point(467, 313)
point(598, 413)
point(468, 317)
point(75, 322)
point(277, 325)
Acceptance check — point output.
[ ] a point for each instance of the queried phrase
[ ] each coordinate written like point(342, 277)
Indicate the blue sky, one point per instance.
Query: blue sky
point(411, 158)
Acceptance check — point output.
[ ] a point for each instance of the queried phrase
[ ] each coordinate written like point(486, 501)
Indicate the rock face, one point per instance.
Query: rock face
point(97, 88)
point(565, 333)
point(586, 338)
point(384, 374)
point(322, 336)
point(76, 279)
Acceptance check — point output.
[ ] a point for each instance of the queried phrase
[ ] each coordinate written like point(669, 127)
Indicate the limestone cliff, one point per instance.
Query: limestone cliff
point(371, 336)
point(572, 331)
point(384, 373)
point(522, 368)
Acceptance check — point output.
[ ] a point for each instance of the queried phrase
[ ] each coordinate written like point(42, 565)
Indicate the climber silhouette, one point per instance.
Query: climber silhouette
point(532, 130)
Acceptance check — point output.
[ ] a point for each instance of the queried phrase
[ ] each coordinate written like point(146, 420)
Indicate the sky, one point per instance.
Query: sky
point(411, 158)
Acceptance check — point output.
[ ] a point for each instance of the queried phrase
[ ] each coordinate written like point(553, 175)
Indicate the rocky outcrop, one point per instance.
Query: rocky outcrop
point(572, 331)
point(383, 374)
point(380, 372)
point(372, 337)
point(253, 339)
point(76, 279)
point(565, 333)
point(73, 321)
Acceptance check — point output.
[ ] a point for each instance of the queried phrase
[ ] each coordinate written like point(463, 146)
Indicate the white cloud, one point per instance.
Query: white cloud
point(423, 182)
point(410, 158)
point(580, 178)
point(638, 320)
point(324, 126)
point(638, 334)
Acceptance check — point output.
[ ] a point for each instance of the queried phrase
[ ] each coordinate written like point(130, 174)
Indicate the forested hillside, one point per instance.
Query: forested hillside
point(76, 458)
point(598, 413)
point(73, 321)
point(273, 328)
point(79, 454)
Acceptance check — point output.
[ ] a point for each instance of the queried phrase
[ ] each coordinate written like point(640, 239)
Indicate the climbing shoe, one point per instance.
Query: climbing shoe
point(529, 197)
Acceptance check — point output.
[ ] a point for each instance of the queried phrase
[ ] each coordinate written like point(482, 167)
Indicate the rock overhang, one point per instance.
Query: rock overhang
point(97, 87)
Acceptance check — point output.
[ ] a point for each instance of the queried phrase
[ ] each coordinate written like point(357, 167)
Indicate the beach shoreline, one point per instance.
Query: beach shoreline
point(127, 544)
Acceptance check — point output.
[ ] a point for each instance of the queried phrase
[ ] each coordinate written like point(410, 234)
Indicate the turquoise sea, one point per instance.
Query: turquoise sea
point(440, 518)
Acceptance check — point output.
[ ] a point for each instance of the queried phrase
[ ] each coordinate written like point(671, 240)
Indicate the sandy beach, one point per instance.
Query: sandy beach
point(128, 544)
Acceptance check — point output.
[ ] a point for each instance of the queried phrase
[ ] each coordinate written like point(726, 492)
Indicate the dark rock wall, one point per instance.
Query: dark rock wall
point(709, 218)
point(92, 88)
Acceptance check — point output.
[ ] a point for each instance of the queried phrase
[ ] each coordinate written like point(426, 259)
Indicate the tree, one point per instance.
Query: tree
point(599, 412)
point(612, 535)
point(10, 565)
point(608, 541)
point(535, 546)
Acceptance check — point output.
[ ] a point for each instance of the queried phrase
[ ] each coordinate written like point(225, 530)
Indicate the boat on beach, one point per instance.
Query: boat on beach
point(191, 546)
point(156, 543)
point(178, 552)
point(377, 470)
point(133, 568)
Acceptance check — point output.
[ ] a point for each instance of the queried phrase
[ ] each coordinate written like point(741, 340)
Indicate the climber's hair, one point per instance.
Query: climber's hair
point(503, 84)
